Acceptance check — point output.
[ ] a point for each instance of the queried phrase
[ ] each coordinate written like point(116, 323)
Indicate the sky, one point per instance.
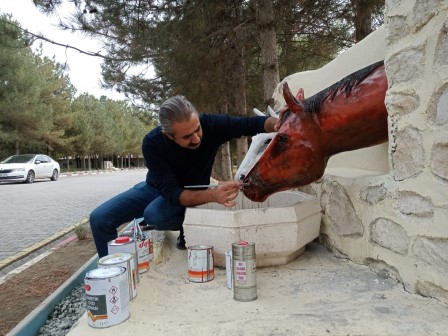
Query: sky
point(84, 70)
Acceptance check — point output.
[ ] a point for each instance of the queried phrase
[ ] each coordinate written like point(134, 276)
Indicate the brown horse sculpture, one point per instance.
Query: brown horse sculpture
point(348, 115)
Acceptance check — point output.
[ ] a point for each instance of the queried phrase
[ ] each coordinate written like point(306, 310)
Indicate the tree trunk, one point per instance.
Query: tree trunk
point(268, 41)
point(362, 10)
point(238, 83)
point(226, 162)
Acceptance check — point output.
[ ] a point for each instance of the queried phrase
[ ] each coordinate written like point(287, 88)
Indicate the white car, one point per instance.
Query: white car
point(28, 167)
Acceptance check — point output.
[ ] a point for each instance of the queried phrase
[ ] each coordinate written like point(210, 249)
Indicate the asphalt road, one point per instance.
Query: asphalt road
point(30, 213)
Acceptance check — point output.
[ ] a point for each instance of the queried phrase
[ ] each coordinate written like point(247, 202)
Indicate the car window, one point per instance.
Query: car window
point(40, 158)
point(24, 158)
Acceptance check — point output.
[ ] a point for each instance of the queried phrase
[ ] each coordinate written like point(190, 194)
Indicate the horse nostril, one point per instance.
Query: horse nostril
point(242, 176)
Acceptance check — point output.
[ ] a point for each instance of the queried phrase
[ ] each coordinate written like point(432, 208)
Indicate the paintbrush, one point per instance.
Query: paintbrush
point(208, 186)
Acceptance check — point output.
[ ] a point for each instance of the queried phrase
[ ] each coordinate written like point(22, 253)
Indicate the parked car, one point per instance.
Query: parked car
point(28, 167)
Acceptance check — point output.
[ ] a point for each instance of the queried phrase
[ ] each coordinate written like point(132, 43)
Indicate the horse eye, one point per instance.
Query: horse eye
point(267, 142)
point(282, 138)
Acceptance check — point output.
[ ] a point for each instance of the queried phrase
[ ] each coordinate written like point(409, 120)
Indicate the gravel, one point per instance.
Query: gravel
point(65, 314)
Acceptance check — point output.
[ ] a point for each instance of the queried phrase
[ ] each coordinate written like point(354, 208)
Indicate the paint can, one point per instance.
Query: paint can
point(124, 244)
point(229, 269)
point(125, 260)
point(143, 254)
point(244, 271)
point(107, 296)
point(200, 263)
point(148, 231)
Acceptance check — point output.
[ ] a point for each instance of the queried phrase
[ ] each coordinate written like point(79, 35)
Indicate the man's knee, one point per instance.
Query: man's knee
point(99, 221)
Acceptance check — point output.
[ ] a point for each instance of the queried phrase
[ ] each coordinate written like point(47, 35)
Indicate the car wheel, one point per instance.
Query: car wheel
point(55, 175)
point(30, 177)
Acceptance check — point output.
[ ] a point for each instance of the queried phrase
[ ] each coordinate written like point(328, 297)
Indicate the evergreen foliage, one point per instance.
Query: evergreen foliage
point(211, 51)
point(40, 114)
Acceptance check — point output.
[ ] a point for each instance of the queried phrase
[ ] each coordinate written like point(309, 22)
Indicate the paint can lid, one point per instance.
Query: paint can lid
point(106, 272)
point(115, 258)
point(243, 243)
point(122, 240)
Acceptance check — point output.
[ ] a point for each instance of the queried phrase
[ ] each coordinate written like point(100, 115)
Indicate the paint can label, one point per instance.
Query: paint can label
point(200, 263)
point(143, 246)
point(107, 296)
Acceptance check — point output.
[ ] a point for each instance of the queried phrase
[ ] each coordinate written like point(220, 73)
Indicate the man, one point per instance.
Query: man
point(178, 153)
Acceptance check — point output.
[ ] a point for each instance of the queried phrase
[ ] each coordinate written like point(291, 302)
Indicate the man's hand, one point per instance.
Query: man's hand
point(280, 116)
point(227, 192)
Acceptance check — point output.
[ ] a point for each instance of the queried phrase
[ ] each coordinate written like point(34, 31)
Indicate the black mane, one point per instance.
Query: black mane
point(348, 83)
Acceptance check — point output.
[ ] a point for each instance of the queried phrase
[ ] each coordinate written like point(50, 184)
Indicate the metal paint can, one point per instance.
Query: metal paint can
point(143, 254)
point(200, 263)
point(244, 271)
point(107, 296)
point(229, 269)
point(148, 231)
point(124, 245)
point(125, 260)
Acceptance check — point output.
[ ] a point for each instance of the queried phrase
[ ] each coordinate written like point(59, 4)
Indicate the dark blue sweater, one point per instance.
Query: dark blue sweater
point(170, 167)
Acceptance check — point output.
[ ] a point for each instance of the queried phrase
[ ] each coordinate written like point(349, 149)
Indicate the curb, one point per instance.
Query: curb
point(31, 324)
point(97, 172)
point(34, 248)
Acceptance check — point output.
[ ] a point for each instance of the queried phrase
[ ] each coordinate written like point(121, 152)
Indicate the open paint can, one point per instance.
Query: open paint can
point(200, 263)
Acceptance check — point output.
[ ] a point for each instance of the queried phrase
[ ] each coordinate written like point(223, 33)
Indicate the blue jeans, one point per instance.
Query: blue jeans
point(142, 200)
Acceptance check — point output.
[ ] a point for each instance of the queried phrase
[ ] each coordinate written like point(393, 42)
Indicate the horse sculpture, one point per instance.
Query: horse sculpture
point(348, 115)
point(259, 142)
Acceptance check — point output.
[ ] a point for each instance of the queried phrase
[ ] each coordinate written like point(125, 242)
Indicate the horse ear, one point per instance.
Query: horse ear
point(294, 105)
point(300, 94)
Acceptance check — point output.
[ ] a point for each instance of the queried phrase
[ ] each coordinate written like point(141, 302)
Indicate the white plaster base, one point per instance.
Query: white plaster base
point(280, 227)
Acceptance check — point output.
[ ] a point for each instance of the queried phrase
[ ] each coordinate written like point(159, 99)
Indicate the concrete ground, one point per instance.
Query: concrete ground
point(315, 294)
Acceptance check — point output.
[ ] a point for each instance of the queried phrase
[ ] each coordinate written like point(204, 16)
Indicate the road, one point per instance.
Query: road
point(30, 213)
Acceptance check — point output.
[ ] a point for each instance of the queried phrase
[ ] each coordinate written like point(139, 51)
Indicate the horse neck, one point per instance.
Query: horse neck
point(357, 120)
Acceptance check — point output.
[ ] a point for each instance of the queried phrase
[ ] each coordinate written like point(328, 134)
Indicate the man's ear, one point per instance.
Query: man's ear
point(168, 135)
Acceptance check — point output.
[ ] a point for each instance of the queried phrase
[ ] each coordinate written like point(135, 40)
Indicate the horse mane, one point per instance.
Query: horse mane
point(348, 83)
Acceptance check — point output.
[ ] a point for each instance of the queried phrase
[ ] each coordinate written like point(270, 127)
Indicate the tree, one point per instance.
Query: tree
point(221, 54)
point(20, 83)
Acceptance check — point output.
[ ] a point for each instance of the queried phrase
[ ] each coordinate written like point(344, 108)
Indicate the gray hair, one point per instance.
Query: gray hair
point(175, 109)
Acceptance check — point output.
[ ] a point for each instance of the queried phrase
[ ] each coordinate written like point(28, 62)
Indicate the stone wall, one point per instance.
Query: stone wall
point(397, 223)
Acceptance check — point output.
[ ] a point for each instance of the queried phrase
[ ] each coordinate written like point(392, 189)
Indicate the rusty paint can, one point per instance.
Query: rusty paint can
point(125, 260)
point(124, 244)
point(143, 254)
point(200, 263)
point(107, 296)
point(244, 271)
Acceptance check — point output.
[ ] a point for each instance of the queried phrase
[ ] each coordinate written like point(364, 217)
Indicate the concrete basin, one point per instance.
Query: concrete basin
point(280, 227)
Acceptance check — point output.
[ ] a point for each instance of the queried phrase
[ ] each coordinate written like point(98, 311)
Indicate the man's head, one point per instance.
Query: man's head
point(180, 122)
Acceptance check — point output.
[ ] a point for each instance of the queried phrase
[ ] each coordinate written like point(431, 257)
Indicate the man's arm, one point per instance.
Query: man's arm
point(224, 194)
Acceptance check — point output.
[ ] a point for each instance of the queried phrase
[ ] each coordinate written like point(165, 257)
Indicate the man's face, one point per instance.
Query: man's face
point(187, 134)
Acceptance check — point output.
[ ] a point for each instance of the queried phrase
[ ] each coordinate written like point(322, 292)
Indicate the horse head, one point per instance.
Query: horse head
point(260, 142)
point(296, 155)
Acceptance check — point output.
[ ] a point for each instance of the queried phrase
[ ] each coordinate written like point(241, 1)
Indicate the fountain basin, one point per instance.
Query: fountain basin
point(280, 227)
